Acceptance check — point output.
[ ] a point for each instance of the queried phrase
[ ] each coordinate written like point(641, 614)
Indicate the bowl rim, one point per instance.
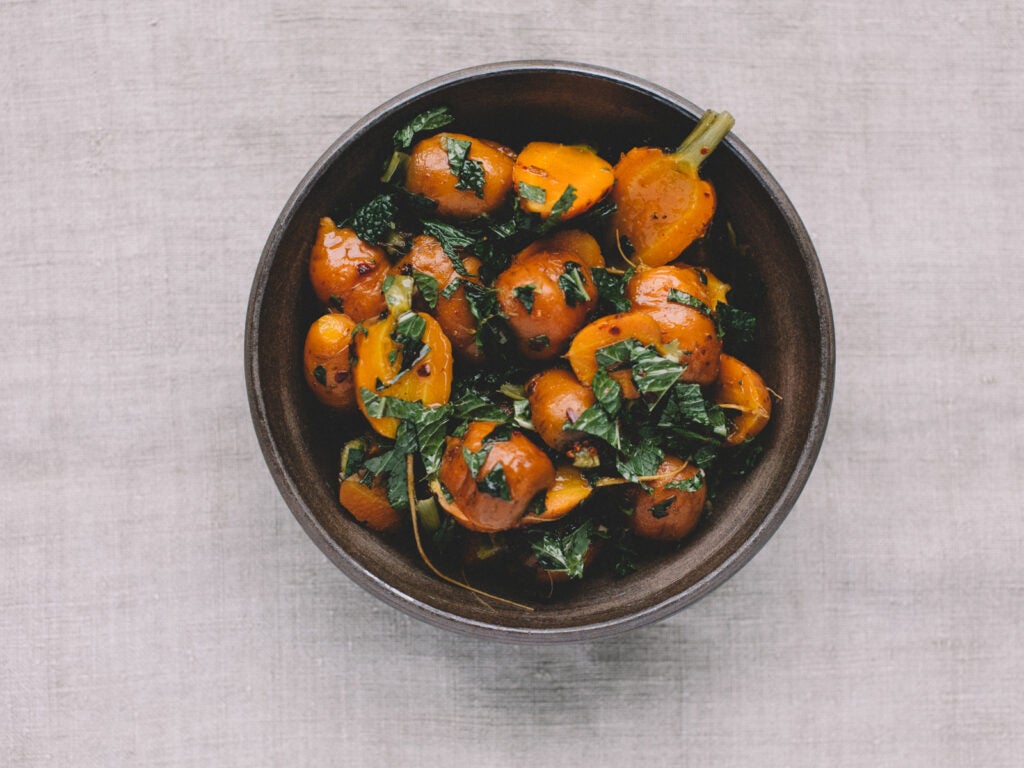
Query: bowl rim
point(453, 621)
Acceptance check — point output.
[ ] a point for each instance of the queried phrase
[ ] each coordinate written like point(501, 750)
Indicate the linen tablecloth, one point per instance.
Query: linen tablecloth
point(160, 606)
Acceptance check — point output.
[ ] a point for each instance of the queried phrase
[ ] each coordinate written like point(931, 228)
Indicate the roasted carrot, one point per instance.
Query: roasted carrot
point(562, 179)
point(662, 203)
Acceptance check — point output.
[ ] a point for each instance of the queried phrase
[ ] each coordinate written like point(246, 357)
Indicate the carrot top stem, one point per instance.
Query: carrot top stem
point(702, 140)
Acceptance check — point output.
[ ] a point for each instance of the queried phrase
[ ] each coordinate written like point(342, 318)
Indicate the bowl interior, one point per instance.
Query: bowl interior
point(515, 104)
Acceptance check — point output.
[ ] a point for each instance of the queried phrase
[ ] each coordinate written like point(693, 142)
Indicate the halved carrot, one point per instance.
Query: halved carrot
point(604, 332)
point(368, 503)
point(544, 172)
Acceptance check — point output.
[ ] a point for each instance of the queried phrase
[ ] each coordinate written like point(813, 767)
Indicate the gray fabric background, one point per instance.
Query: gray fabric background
point(159, 605)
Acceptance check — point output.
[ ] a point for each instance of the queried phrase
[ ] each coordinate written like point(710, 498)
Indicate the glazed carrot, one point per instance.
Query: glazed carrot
point(569, 490)
point(662, 203)
point(604, 332)
point(368, 503)
point(546, 298)
point(741, 391)
point(436, 170)
point(571, 177)
point(326, 363)
point(575, 241)
point(671, 509)
point(508, 472)
point(347, 273)
point(404, 354)
point(451, 308)
point(679, 300)
point(557, 399)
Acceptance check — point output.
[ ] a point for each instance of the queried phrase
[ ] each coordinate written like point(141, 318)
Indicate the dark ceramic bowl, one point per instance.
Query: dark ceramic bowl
point(515, 102)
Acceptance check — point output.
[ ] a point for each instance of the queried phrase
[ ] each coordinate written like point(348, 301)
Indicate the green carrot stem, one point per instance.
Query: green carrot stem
point(702, 140)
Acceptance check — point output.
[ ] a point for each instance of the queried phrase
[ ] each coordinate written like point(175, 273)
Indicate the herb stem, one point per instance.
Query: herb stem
point(411, 487)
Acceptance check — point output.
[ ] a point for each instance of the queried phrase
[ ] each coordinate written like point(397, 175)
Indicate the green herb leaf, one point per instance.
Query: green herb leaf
point(539, 342)
point(675, 296)
point(428, 422)
point(515, 222)
point(471, 406)
point(451, 288)
point(387, 407)
point(494, 483)
point(491, 331)
point(408, 334)
point(532, 193)
point(689, 485)
point(562, 204)
point(574, 284)
point(685, 406)
point(736, 325)
point(374, 221)
point(430, 120)
point(475, 459)
point(500, 434)
point(525, 295)
point(451, 238)
point(353, 454)
point(653, 374)
point(522, 415)
point(596, 421)
point(390, 465)
point(566, 553)
point(643, 461)
point(607, 391)
point(660, 509)
point(470, 173)
point(611, 289)
point(427, 286)
point(431, 427)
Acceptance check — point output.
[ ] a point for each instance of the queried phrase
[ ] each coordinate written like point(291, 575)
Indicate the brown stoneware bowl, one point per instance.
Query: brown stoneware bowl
point(555, 101)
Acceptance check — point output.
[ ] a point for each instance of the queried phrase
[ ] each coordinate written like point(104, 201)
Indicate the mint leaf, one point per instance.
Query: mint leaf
point(596, 421)
point(660, 509)
point(563, 554)
point(374, 221)
point(611, 289)
point(475, 459)
point(607, 391)
point(689, 485)
point(431, 120)
point(427, 286)
point(472, 406)
point(574, 284)
point(653, 374)
point(532, 193)
point(559, 209)
point(643, 461)
point(737, 325)
point(428, 422)
point(451, 238)
point(494, 483)
point(525, 295)
point(675, 296)
point(390, 466)
point(470, 173)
